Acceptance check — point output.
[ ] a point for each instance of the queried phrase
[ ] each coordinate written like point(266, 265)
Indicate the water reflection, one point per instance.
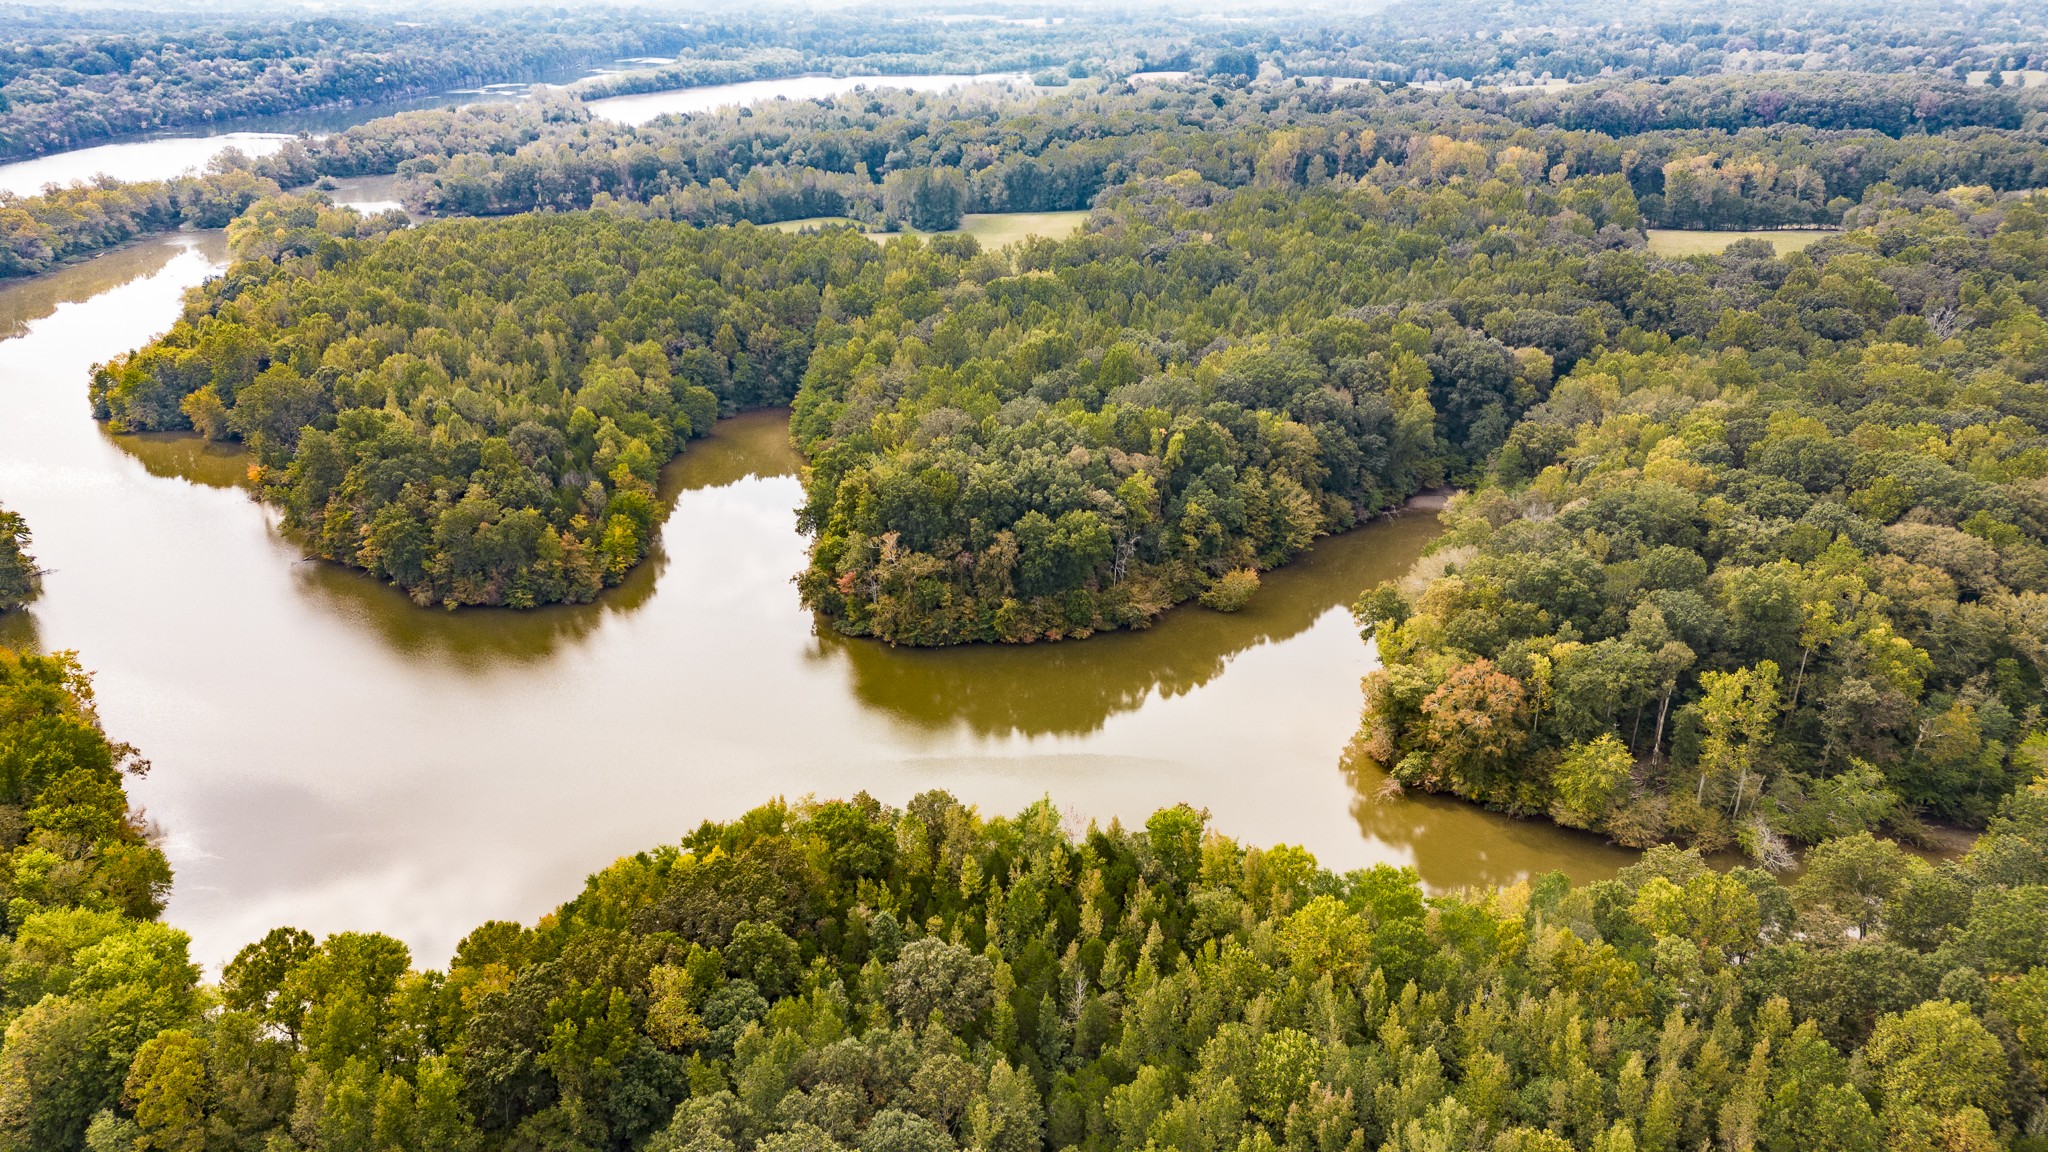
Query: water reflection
point(18, 631)
point(183, 456)
point(369, 195)
point(23, 301)
point(1070, 689)
point(1457, 845)
point(157, 158)
point(753, 445)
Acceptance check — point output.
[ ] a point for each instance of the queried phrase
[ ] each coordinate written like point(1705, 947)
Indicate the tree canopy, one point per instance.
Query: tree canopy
point(479, 411)
point(1782, 576)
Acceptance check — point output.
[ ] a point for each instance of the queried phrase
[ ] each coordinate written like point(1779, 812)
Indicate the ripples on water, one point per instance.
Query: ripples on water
point(328, 755)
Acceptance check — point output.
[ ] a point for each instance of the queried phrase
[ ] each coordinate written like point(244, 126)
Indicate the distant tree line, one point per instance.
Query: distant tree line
point(1785, 149)
point(62, 86)
point(1798, 149)
point(1581, 40)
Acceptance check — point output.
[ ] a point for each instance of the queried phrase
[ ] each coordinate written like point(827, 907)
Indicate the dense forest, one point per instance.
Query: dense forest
point(1184, 396)
point(408, 425)
point(20, 581)
point(1782, 576)
point(843, 975)
point(90, 974)
point(1756, 548)
point(74, 78)
point(1074, 436)
point(1789, 135)
point(1479, 42)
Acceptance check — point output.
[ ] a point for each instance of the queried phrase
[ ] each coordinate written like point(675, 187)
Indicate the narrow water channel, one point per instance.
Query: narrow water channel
point(329, 756)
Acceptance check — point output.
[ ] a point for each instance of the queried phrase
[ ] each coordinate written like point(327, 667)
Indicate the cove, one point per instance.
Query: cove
point(331, 757)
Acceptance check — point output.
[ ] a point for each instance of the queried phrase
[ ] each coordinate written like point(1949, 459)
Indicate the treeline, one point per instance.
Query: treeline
point(20, 579)
point(883, 41)
point(1770, 178)
point(91, 976)
point(1587, 39)
point(1809, 148)
point(38, 233)
point(1802, 150)
point(478, 411)
point(768, 64)
point(843, 975)
point(72, 79)
point(1777, 572)
point(64, 86)
point(1014, 152)
point(1894, 104)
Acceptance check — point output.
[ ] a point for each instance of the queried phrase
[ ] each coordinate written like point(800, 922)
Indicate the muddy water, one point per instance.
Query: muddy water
point(329, 756)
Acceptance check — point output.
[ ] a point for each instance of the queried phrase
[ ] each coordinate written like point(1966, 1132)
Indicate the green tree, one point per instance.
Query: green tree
point(1590, 779)
point(19, 579)
point(1940, 1058)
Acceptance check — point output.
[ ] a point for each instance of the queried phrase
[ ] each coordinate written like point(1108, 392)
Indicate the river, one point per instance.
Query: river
point(161, 155)
point(329, 756)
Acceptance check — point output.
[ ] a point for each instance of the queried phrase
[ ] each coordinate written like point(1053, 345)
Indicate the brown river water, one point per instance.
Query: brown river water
point(327, 755)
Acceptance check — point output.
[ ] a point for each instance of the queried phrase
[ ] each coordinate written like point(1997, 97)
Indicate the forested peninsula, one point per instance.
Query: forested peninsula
point(845, 975)
point(478, 410)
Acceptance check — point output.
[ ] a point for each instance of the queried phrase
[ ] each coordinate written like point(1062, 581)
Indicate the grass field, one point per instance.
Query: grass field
point(2025, 78)
point(1677, 242)
point(993, 229)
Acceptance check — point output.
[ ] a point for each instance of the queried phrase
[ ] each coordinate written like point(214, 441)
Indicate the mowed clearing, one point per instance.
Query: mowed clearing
point(1684, 242)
